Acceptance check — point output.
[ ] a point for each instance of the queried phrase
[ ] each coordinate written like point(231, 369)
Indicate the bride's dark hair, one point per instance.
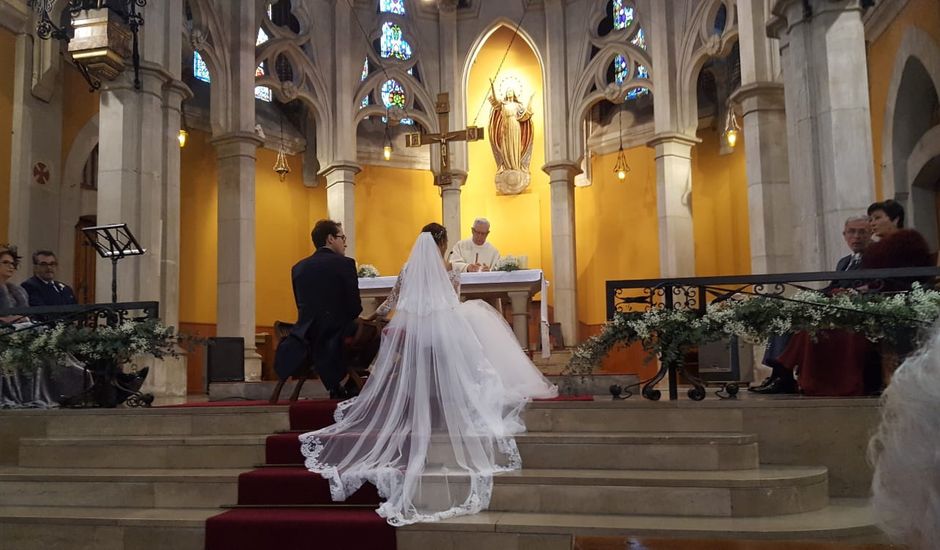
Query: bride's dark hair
point(437, 231)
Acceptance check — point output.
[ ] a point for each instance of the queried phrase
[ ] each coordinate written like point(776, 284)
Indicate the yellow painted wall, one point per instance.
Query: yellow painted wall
point(882, 54)
point(7, 66)
point(520, 224)
point(392, 205)
point(719, 208)
point(617, 234)
point(285, 213)
point(78, 106)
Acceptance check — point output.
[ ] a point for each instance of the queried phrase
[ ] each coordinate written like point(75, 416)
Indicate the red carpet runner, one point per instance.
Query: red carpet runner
point(291, 508)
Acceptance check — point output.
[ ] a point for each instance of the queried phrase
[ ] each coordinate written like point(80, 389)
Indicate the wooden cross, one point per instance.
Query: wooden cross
point(418, 139)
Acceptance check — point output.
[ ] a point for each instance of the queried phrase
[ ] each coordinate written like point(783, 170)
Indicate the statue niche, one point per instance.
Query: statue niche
point(511, 136)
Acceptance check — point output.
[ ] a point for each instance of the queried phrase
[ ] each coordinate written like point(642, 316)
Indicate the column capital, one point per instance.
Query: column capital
point(340, 166)
point(673, 138)
point(787, 13)
point(759, 96)
point(177, 88)
point(233, 144)
point(453, 180)
point(561, 169)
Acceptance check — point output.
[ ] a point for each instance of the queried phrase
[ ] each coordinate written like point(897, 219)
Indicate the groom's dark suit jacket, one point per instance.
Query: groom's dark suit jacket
point(326, 290)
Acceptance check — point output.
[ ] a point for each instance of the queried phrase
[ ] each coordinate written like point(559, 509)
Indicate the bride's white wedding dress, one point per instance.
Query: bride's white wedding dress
point(437, 417)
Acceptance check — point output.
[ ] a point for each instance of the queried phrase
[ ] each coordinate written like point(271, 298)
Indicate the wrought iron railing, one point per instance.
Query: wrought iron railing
point(91, 316)
point(695, 293)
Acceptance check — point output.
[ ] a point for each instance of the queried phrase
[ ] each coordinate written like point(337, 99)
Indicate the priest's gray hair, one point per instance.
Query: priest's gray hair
point(481, 221)
point(853, 219)
point(905, 452)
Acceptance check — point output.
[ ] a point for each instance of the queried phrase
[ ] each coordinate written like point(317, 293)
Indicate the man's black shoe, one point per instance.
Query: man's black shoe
point(339, 393)
point(762, 385)
point(777, 385)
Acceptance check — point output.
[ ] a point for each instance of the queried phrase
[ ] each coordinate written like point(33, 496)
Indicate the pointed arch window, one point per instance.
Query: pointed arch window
point(392, 6)
point(200, 69)
point(393, 96)
point(392, 43)
point(623, 14)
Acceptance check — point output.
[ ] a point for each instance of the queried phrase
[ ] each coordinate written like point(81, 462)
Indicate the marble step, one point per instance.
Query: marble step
point(738, 493)
point(230, 451)
point(843, 519)
point(605, 415)
point(110, 487)
point(75, 528)
point(167, 421)
point(638, 451)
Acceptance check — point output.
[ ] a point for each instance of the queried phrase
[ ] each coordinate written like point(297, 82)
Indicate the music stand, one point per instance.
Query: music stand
point(113, 242)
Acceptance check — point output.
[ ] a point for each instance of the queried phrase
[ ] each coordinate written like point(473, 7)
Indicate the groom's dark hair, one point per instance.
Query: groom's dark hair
point(437, 231)
point(322, 230)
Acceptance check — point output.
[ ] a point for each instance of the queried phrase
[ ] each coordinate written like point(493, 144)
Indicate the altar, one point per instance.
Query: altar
point(517, 287)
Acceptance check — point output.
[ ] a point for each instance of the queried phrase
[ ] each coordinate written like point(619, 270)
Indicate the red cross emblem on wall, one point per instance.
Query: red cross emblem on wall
point(40, 173)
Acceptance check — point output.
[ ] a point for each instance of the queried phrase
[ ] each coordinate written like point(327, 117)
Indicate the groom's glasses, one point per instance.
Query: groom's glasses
point(340, 237)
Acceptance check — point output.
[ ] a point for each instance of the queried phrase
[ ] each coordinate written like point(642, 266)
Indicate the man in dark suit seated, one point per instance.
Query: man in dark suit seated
point(42, 287)
point(326, 290)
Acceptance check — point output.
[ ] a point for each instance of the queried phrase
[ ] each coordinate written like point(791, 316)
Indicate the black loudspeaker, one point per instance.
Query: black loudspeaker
point(225, 360)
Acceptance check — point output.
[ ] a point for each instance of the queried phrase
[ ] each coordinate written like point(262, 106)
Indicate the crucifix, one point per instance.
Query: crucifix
point(418, 139)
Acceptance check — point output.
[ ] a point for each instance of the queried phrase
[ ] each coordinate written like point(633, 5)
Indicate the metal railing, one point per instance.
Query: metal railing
point(695, 293)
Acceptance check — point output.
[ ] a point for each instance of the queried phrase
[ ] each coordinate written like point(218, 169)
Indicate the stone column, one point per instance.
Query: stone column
point(564, 258)
point(341, 200)
point(828, 121)
point(174, 92)
point(673, 193)
point(236, 152)
point(450, 200)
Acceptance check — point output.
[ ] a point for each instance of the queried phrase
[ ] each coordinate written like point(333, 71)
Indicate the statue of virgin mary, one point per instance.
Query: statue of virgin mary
point(511, 136)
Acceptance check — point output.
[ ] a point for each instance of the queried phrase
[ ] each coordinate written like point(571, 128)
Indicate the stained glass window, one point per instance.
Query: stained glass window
point(200, 70)
point(393, 95)
point(392, 43)
point(392, 6)
point(262, 92)
point(364, 102)
point(640, 39)
point(262, 37)
point(623, 15)
point(365, 69)
point(621, 67)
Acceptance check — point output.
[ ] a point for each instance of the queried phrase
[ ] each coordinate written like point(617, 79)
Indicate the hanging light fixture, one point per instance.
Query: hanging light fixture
point(732, 129)
point(183, 134)
point(387, 144)
point(101, 35)
point(280, 165)
point(621, 168)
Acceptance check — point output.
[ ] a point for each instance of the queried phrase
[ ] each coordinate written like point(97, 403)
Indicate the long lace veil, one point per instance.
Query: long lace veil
point(434, 421)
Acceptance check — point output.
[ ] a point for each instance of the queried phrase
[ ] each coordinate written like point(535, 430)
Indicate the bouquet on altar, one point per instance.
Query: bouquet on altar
point(367, 271)
point(509, 263)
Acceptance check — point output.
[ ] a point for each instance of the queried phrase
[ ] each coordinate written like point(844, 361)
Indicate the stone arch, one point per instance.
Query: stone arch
point(698, 46)
point(918, 53)
point(71, 194)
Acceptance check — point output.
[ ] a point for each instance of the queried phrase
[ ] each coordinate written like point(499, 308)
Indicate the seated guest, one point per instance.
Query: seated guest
point(896, 247)
point(857, 235)
point(12, 295)
point(42, 287)
point(475, 254)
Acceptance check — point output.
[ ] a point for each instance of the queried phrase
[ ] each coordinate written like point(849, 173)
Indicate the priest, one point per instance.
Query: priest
point(475, 254)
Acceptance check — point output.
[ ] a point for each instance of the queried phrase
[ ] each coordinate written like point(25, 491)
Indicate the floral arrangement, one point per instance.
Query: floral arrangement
point(26, 350)
point(669, 333)
point(367, 271)
point(508, 263)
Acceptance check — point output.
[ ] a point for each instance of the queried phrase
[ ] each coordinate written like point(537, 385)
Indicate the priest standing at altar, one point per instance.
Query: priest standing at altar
point(475, 254)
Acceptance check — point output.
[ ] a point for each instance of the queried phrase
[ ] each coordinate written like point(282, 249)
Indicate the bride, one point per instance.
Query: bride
point(437, 417)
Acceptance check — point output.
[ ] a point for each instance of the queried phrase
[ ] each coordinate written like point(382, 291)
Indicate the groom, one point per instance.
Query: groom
point(326, 289)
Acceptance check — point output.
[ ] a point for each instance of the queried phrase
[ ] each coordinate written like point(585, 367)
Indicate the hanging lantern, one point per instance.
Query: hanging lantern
point(732, 129)
point(387, 152)
point(387, 146)
point(621, 168)
point(280, 165)
point(182, 137)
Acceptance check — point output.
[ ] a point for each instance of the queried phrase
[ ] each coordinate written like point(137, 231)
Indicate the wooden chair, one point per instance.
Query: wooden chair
point(281, 331)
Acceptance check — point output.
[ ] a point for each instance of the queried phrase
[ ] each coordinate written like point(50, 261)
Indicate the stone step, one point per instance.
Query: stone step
point(605, 415)
point(74, 528)
point(110, 487)
point(168, 421)
point(843, 519)
point(231, 451)
point(737, 493)
point(638, 451)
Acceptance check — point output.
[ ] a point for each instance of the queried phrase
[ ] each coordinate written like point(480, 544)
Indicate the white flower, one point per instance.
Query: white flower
point(367, 271)
point(507, 263)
